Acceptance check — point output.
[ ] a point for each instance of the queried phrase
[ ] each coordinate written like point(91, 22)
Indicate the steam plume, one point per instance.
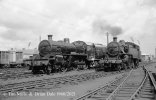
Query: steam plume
point(101, 26)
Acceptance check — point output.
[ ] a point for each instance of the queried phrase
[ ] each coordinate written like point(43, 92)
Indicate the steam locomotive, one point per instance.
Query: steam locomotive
point(121, 55)
point(57, 56)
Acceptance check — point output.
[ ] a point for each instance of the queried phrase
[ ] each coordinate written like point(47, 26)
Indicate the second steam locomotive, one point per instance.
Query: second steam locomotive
point(121, 55)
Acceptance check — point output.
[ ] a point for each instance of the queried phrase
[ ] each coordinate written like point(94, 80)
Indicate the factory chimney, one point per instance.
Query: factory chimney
point(115, 39)
point(50, 37)
point(66, 40)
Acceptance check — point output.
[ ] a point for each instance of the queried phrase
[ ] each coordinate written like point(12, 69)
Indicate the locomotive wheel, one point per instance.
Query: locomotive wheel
point(129, 65)
point(75, 67)
point(85, 67)
point(124, 66)
point(5, 66)
point(44, 70)
point(119, 67)
point(30, 67)
point(91, 65)
point(137, 63)
point(132, 65)
point(34, 71)
point(64, 69)
point(106, 68)
point(57, 68)
point(48, 70)
point(94, 64)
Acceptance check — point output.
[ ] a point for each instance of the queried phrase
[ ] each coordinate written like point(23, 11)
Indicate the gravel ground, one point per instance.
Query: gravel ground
point(67, 93)
point(13, 70)
point(45, 77)
point(152, 67)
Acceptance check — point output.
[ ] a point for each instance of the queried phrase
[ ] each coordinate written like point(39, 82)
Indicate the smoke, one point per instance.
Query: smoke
point(102, 27)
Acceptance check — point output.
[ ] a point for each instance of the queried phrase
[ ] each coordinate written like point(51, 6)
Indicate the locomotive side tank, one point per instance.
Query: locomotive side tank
point(135, 52)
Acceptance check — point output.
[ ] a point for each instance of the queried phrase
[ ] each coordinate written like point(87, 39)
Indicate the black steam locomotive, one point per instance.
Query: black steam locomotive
point(121, 55)
point(57, 56)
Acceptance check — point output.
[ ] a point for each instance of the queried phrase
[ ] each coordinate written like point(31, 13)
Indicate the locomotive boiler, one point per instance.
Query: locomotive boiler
point(94, 52)
point(57, 56)
point(121, 55)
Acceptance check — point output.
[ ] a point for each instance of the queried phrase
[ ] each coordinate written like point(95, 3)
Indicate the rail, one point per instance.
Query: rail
point(89, 94)
point(95, 91)
point(152, 80)
point(136, 92)
point(113, 93)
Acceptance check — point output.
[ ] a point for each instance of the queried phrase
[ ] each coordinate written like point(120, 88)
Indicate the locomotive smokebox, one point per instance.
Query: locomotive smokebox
point(115, 39)
point(66, 40)
point(50, 37)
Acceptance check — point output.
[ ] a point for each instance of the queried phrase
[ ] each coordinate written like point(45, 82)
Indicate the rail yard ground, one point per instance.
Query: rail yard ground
point(152, 70)
point(9, 78)
point(75, 85)
point(152, 67)
point(67, 92)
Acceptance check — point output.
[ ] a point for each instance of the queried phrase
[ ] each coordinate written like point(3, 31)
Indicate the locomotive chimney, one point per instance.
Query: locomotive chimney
point(115, 39)
point(66, 40)
point(50, 37)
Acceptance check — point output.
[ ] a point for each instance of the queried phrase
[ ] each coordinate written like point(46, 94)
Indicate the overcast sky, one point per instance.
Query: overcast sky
point(24, 21)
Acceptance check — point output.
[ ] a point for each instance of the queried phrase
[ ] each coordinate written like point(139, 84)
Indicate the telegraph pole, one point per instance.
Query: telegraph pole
point(155, 53)
point(107, 38)
point(40, 38)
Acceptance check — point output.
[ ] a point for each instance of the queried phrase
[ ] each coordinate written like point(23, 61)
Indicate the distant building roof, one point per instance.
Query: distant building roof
point(30, 51)
point(89, 43)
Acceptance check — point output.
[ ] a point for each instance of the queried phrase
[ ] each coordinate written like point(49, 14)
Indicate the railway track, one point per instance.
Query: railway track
point(18, 73)
point(138, 85)
point(52, 83)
